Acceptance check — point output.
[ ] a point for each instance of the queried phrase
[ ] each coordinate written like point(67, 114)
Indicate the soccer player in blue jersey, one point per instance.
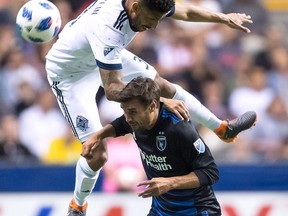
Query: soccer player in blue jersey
point(91, 52)
point(178, 164)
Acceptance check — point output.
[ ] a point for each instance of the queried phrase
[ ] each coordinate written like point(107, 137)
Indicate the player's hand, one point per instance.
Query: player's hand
point(178, 107)
point(154, 187)
point(89, 146)
point(236, 20)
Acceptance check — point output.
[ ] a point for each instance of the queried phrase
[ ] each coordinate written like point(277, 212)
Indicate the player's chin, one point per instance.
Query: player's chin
point(141, 28)
point(144, 29)
point(134, 127)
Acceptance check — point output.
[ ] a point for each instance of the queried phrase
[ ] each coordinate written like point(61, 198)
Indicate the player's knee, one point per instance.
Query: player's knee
point(99, 158)
point(102, 158)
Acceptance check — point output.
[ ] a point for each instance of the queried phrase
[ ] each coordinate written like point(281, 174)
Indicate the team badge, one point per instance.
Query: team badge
point(161, 142)
point(82, 123)
point(199, 146)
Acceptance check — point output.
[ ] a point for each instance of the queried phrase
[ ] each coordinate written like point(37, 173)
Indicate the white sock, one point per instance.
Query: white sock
point(85, 181)
point(197, 111)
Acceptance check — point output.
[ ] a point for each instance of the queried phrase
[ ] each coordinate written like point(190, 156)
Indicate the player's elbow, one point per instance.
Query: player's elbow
point(109, 96)
point(215, 179)
point(112, 95)
point(208, 176)
point(214, 176)
point(112, 91)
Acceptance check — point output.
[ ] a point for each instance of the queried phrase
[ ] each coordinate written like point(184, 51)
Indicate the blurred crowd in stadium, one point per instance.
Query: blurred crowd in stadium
point(229, 71)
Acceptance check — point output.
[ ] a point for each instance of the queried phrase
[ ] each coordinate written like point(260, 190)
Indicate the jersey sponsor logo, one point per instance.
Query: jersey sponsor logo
point(107, 50)
point(154, 161)
point(82, 123)
point(161, 142)
point(199, 146)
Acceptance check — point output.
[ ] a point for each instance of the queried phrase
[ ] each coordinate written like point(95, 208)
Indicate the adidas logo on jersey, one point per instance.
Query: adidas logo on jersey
point(107, 50)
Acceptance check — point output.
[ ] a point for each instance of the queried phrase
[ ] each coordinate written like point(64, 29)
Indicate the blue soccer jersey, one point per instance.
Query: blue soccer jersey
point(174, 148)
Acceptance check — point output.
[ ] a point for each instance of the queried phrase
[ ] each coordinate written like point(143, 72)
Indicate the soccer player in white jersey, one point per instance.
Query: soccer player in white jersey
point(90, 52)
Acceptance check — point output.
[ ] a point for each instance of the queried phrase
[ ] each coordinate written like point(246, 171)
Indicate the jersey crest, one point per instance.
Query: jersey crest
point(161, 142)
point(199, 146)
point(82, 123)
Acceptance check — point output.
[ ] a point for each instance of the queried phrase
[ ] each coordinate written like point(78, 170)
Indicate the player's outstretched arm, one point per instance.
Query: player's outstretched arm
point(188, 12)
point(158, 186)
point(95, 140)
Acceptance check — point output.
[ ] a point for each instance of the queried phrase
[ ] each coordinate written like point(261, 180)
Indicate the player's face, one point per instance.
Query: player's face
point(137, 115)
point(143, 19)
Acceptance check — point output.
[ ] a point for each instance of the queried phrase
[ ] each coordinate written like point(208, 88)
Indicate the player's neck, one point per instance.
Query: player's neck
point(153, 119)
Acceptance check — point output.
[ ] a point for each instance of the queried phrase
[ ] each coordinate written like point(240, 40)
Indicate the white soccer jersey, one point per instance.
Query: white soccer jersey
point(96, 38)
point(100, 33)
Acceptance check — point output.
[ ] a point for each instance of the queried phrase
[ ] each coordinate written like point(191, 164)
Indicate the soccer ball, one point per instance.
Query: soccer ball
point(39, 21)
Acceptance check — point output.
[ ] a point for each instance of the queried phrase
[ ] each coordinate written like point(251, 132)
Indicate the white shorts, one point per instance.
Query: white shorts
point(76, 93)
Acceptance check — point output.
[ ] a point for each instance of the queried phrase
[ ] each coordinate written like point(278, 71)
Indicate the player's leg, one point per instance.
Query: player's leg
point(76, 98)
point(197, 110)
point(133, 66)
point(225, 130)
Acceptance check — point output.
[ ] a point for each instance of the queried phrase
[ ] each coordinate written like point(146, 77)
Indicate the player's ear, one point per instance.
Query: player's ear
point(153, 105)
point(136, 6)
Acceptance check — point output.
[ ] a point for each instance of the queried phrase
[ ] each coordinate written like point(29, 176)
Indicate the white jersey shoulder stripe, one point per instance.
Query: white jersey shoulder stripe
point(121, 18)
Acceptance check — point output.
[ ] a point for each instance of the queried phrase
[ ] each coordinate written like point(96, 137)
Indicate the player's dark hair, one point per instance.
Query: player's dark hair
point(144, 89)
point(162, 6)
